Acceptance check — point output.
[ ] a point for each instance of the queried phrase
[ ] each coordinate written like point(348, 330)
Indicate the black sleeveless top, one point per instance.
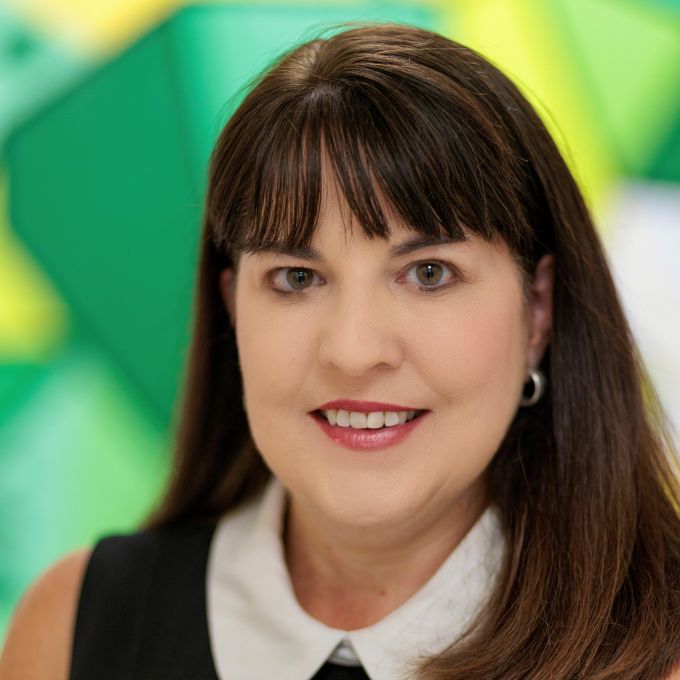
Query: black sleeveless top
point(142, 610)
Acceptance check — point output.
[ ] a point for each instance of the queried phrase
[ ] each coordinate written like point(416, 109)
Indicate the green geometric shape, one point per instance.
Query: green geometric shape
point(106, 184)
point(18, 383)
point(671, 5)
point(77, 461)
point(116, 221)
point(629, 55)
point(33, 71)
point(665, 165)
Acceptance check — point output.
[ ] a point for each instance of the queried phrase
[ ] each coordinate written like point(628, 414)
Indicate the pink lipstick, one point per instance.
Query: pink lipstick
point(367, 439)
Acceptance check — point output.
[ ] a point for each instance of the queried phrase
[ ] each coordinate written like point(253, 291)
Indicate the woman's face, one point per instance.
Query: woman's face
point(443, 328)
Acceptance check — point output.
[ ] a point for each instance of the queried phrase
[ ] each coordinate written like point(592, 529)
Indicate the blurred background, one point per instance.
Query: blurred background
point(108, 111)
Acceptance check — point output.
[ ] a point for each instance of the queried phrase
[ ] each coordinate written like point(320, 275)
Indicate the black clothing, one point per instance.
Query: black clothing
point(142, 611)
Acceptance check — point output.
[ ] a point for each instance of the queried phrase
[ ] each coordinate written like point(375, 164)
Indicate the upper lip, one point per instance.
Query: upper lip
point(364, 406)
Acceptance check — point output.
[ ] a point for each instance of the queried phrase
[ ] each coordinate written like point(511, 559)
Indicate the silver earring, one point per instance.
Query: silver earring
point(539, 382)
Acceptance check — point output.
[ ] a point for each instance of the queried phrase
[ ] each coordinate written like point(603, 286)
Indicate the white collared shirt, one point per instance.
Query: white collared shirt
point(259, 630)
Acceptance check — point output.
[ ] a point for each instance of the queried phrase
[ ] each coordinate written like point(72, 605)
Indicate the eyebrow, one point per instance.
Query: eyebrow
point(408, 246)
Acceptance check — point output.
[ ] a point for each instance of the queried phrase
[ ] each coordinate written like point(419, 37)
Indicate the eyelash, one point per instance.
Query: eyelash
point(426, 289)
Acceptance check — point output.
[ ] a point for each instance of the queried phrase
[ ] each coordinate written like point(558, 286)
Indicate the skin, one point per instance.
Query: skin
point(365, 530)
point(40, 635)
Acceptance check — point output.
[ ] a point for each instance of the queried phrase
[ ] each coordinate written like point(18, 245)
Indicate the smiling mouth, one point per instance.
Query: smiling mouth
point(375, 420)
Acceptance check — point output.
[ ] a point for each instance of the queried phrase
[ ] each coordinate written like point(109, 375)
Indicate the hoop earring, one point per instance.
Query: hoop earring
point(539, 383)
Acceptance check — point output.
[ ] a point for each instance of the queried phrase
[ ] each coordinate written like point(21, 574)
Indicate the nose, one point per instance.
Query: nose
point(360, 332)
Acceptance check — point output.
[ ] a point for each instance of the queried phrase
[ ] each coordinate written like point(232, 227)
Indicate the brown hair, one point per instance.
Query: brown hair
point(584, 481)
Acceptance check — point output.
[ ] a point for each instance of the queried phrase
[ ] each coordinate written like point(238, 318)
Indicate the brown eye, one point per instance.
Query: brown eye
point(433, 276)
point(289, 280)
point(429, 273)
point(298, 278)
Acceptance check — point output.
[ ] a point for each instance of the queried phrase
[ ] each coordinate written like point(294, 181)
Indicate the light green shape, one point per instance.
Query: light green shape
point(77, 462)
point(668, 5)
point(631, 65)
point(33, 71)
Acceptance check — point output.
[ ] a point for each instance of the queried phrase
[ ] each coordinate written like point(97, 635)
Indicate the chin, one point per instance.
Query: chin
point(367, 505)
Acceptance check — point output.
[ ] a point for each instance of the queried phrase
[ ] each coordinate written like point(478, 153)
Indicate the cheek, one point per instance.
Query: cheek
point(489, 343)
point(274, 356)
point(479, 369)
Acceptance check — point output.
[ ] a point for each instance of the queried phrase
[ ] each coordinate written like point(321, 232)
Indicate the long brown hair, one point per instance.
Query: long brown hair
point(584, 479)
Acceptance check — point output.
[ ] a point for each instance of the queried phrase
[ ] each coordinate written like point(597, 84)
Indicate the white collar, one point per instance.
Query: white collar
point(258, 628)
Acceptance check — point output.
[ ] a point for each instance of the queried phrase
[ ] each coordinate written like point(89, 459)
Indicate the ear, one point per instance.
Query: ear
point(228, 292)
point(540, 310)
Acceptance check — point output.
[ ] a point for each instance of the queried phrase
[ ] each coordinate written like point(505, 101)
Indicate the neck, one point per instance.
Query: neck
point(348, 578)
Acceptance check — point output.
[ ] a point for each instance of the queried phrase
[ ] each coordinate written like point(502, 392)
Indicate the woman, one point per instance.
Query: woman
point(417, 440)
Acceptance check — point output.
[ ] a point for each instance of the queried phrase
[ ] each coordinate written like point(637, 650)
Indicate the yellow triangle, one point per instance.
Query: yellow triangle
point(520, 37)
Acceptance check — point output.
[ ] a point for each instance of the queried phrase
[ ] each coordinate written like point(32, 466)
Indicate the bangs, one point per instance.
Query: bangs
point(433, 163)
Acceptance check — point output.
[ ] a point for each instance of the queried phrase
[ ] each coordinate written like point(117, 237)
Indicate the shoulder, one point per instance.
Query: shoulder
point(38, 642)
point(59, 606)
point(92, 608)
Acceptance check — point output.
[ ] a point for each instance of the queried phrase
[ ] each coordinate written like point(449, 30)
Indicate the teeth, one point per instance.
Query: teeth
point(375, 420)
point(371, 421)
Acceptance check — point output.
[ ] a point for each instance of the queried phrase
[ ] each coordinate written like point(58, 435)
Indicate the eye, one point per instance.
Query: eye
point(291, 279)
point(430, 273)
